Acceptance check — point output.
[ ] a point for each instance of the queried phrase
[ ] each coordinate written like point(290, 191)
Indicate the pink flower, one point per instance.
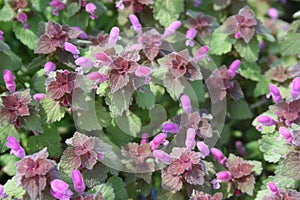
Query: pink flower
point(273, 13)
point(233, 68)
point(38, 96)
point(144, 138)
point(286, 134)
point(22, 17)
point(265, 120)
point(103, 58)
point(1, 35)
point(113, 36)
point(84, 62)
point(59, 190)
point(57, 5)
point(295, 88)
point(273, 188)
point(223, 176)
point(190, 35)
point(218, 156)
point(203, 148)
point(190, 138)
point(91, 8)
point(171, 29)
point(185, 103)
point(237, 35)
point(72, 49)
point(197, 3)
point(2, 192)
point(162, 156)
point(201, 53)
point(83, 35)
point(142, 71)
point(15, 147)
point(275, 93)
point(158, 140)
point(97, 77)
point(79, 185)
point(120, 5)
point(9, 80)
point(136, 26)
point(49, 67)
point(170, 127)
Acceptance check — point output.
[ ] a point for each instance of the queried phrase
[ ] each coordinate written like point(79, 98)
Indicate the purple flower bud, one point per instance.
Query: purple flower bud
point(1, 35)
point(262, 45)
point(218, 156)
point(223, 176)
point(97, 77)
point(215, 183)
point(170, 127)
point(275, 93)
point(72, 49)
point(203, 148)
point(136, 26)
point(49, 67)
point(171, 29)
point(190, 138)
point(266, 120)
point(83, 35)
point(286, 134)
point(162, 156)
point(79, 185)
point(9, 80)
point(38, 96)
point(191, 34)
point(91, 8)
point(143, 71)
point(103, 58)
point(84, 62)
point(57, 5)
point(201, 53)
point(2, 192)
point(240, 148)
point(158, 140)
point(197, 3)
point(59, 190)
point(237, 35)
point(295, 88)
point(233, 68)
point(273, 13)
point(22, 17)
point(15, 147)
point(185, 102)
point(273, 188)
point(113, 36)
point(145, 138)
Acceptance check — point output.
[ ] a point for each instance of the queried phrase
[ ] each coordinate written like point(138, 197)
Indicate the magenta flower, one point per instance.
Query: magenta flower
point(273, 188)
point(97, 77)
point(22, 17)
point(185, 103)
point(170, 127)
point(83, 35)
point(233, 68)
point(265, 120)
point(2, 192)
point(91, 8)
point(144, 138)
point(15, 147)
point(142, 71)
point(275, 93)
point(120, 5)
point(203, 148)
point(136, 26)
point(49, 67)
point(190, 35)
point(240, 148)
point(273, 13)
point(171, 29)
point(84, 62)
point(113, 36)
point(79, 185)
point(162, 156)
point(72, 49)
point(286, 134)
point(295, 88)
point(158, 140)
point(59, 190)
point(38, 96)
point(190, 138)
point(223, 176)
point(197, 3)
point(1, 35)
point(9, 80)
point(237, 35)
point(219, 156)
point(105, 59)
point(201, 53)
point(57, 5)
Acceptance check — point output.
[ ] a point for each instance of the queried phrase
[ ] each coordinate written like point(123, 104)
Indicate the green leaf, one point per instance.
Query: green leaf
point(291, 46)
point(33, 122)
point(248, 51)
point(262, 87)
point(6, 13)
point(118, 186)
point(250, 71)
point(106, 190)
point(6, 130)
point(26, 36)
point(291, 165)
point(129, 123)
point(52, 110)
point(50, 139)
point(239, 110)
point(257, 166)
point(12, 190)
point(8, 163)
point(38, 81)
point(174, 87)
point(198, 89)
point(145, 100)
point(273, 149)
point(72, 9)
point(96, 176)
point(103, 115)
point(120, 101)
point(166, 195)
point(81, 20)
point(117, 136)
point(221, 4)
point(167, 11)
point(40, 5)
point(220, 43)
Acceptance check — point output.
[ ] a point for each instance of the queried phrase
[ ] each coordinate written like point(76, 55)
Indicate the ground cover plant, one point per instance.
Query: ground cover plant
point(149, 99)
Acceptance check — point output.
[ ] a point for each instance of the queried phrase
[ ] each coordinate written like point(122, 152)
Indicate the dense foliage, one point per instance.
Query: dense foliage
point(149, 99)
